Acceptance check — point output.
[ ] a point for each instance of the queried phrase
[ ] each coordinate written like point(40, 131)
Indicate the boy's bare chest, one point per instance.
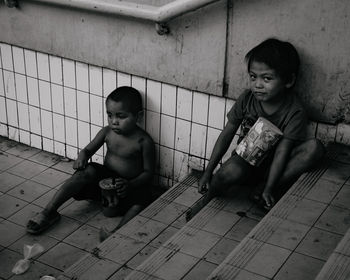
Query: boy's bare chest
point(121, 146)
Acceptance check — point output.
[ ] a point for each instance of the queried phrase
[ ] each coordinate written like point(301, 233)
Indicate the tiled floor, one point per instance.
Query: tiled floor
point(28, 179)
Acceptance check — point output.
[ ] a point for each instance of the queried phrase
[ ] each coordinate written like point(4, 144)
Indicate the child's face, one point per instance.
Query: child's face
point(120, 120)
point(265, 83)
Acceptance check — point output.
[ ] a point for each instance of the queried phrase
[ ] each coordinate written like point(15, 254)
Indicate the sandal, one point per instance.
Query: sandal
point(41, 221)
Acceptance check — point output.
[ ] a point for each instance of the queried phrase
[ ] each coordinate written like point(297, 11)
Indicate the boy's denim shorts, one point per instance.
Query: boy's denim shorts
point(92, 191)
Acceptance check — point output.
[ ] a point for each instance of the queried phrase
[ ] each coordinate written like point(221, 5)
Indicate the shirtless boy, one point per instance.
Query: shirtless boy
point(129, 158)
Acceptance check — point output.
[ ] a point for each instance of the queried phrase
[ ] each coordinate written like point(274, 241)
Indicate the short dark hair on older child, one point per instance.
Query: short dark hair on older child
point(129, 96)
point(278, 55)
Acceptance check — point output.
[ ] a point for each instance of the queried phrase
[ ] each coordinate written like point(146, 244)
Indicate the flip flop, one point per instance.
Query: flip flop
point(41, 222)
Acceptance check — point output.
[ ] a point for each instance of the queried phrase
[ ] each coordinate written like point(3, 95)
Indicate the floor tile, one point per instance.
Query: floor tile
point(200, 271)
point(337, 172)
point(324, 191)
point(8, 259)
point(65, 166)
point(62, 256)
point(23, 151)
point(27, 169)
point(164, 236)
point(170, 213)
point(36, 271)
point(335, 219)
point(100, 220)
point(29, 191)
point(45, 158)
point(10, 205)
point(121, 273)
point(141, 256)
point(7, 161)
point(51, 177)
point(319, 244)
point(43, 200)
point(6, 144)
point(267, 260)
point(221, 223)
point(29, 239)
point(10, 232)
point(22, 216)
point(220, 251)
point(85, 237)
point(247, 275)
point(241, 229)
point(81, 210)
point(103, 268)
point(343, 197)
point(299, 267)
point(63, 228)
point(8, 181)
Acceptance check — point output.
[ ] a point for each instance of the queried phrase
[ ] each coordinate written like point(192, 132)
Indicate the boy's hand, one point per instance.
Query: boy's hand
point(203, 184)
point(80, 163)
point(122, 187)
point(269, 200)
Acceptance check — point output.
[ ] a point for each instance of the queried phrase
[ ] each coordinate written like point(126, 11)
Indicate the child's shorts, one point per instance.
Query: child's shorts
point(92, 191)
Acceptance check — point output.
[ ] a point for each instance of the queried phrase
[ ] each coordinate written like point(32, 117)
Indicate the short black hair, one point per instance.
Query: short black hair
point(278, 55)
point(129, 96)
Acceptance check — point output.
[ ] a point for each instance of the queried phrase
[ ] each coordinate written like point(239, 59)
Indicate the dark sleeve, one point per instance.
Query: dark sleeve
point(296, 127)
point(236, 113)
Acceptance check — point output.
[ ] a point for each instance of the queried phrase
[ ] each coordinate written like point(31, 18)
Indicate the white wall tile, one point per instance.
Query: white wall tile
point(35, 141)
point(30, 63)
point(96, 112)
point(71, 152)
point(35, 120)
point(94, 130)
point(83, 102)
point(2, 89)
point(57, 98)
point(95, 78)
point(97, 158)
point(3, 130)
point(140, 84)
point(109, 78)
point(14, 134)
point(9, 84)
point(196, 163)
point(18, 60)
point(0, 57)
point(212, 136)
point(198, 140)
point(70, 104)
point(6, 55)
point(71, 132)
point(180, 165)
point(184, 104)
point(68, 73)
point(43, 66)
point(46, 124)
point(169, 100)
point(343, 134)
point(153, 96)
point(167, 131)
point(326, 133)
point(216, 112)
point(24, 137)
point(33, 91)
point(48, 145)
point(123, 79)
point(59, 149)
point(11, 106)
point(200, 108)
point(59, 133)
point(82, 73)
point(153, 124)
point(45, 95)
point(83, 134)
point(166, 162)
point(56, 69)
point(3, 114)
point(21, 88)
point(23, 116)
point(182, 139)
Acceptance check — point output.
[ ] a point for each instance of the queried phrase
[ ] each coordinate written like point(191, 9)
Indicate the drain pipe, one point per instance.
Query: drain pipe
point(160, 15)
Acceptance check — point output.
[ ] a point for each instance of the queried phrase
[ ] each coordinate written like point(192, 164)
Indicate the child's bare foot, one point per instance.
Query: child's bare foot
point(104, 233)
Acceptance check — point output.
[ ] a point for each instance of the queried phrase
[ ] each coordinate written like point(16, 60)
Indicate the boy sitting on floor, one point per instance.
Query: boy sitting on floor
point(272, 68)
point(130, 158)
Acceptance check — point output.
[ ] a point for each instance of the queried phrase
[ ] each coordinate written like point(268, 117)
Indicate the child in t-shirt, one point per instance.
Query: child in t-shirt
point(272, 68)
point(130, 160)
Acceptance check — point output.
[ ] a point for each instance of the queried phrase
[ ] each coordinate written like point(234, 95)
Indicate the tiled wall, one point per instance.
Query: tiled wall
point(57, 104)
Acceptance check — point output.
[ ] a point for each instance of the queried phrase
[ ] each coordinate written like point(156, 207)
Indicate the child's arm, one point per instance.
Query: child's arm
point(220, 148)
point(90, 149)
point(278, 165)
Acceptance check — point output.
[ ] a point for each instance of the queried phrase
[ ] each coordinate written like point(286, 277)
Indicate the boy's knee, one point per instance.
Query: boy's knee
point(315, 149)
point(88, 172)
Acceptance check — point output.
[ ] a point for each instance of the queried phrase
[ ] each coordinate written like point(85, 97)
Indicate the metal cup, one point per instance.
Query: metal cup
point(109, 197)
